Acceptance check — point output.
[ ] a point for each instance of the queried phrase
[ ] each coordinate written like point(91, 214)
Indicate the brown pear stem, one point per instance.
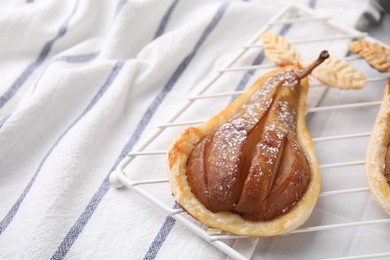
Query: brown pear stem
point(323, 56)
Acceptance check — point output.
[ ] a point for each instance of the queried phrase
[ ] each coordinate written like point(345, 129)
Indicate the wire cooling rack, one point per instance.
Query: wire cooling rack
point(292, 14)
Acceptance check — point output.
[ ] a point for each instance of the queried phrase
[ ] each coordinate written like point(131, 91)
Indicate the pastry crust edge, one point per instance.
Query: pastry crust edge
point(376, 154)
point(228, 221)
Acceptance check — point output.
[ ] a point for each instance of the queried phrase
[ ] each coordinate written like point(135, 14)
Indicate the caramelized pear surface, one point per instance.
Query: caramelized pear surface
point(253, 164)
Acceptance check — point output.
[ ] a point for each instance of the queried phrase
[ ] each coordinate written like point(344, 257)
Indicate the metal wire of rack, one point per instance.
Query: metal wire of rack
point(119, 178)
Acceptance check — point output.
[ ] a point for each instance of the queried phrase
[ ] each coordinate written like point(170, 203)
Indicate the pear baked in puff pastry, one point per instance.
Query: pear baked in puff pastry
point(378, 155)
point(378, 152)
point(251, 169)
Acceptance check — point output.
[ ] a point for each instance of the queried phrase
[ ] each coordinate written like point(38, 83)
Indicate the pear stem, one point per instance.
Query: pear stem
point(323, 56)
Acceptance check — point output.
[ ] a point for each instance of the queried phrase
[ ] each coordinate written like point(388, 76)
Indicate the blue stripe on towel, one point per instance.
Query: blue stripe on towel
point(11, 91)
point(80, 58)
point(313, 3)
point(111, 77)
point(79, 225)
point(66, 58)
point(161, 237)
point(165, 19)
point(4, 119)
point(119, 7)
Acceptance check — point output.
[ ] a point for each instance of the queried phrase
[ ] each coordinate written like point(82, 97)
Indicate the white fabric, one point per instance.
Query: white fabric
point(77, 80)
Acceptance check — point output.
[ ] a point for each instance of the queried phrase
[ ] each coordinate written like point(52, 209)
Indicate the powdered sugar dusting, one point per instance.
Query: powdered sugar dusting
point(271, 144)
point(224, 160)
point(230, 138)
point(230, 151)
point(287, 115)
point(261, 100)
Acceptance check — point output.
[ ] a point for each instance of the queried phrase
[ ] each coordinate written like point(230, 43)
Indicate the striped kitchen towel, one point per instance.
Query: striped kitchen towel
point(82, 82)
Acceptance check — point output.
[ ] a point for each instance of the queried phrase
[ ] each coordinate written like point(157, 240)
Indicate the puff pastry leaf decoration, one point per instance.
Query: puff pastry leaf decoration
point(378, 155)
point(278, 50)
point(333, 72)
point(251, 170)
point(376, 55)
point(339, 74)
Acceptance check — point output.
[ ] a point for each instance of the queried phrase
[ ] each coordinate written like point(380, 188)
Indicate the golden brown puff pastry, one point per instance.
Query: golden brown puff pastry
point(183, 146)
point(376, 154)
point(376, 55)
point(338, 73)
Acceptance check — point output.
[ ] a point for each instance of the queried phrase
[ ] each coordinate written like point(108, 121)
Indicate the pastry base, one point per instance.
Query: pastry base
point(228, 221)
point(376, 154)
